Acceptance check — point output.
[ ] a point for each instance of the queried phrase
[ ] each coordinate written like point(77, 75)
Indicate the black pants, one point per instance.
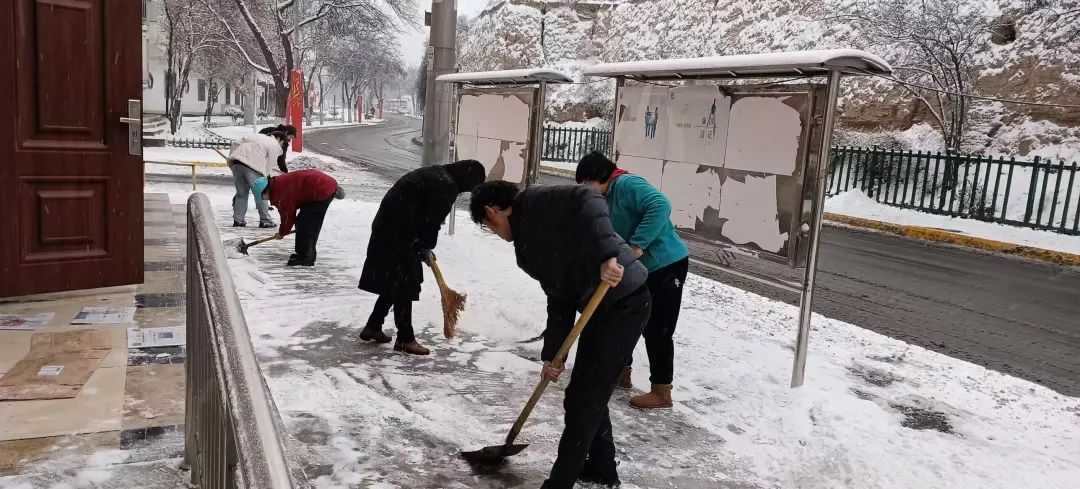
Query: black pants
point(308, 225)
point(666, 286)
point(402, 317)
point(606, 343)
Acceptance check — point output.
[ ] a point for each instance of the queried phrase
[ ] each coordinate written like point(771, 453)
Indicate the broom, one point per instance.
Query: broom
point(453, 302)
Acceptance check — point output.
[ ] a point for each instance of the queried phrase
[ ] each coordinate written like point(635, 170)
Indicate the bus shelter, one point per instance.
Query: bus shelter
point(740, 145)
point(498, 119)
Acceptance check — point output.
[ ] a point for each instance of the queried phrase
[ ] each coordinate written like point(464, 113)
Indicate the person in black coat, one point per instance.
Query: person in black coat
point(563, 239)
point(288, 130)
point(405, 230)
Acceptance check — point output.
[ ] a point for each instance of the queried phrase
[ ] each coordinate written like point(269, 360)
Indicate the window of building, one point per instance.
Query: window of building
point(202, 90)
point(228, 93)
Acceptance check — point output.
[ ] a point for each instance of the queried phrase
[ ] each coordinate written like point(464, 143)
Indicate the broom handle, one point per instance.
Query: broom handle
point(559, 359)
point(437, 272)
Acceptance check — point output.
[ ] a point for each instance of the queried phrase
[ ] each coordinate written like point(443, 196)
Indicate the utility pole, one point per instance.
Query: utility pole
point(442, 57)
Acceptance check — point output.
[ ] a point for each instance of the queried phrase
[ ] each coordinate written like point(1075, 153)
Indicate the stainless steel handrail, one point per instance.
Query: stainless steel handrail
point(232, 438)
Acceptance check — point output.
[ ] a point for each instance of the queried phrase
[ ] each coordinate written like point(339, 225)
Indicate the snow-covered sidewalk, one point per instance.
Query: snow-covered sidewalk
point(875, 412)
point(855, 203)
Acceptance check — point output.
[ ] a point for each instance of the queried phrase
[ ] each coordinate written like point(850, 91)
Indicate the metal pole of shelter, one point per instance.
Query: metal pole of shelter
point(806, 299)
point(452, 136)
point(538, 137)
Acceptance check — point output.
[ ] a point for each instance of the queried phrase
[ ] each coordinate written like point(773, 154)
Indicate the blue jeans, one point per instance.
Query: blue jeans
point(244, 177)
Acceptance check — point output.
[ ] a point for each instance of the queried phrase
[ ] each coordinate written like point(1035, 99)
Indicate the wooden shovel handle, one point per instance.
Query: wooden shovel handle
point(260, 240)
point(559, 359)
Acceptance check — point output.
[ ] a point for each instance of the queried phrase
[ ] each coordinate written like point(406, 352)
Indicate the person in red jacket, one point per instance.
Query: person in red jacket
point(310, 192)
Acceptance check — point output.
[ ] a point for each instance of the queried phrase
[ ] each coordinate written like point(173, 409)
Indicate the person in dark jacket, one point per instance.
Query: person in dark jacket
point(563, 239)
point(290, 133)
point(310, 192)
point(405, 230)
point(641, 214)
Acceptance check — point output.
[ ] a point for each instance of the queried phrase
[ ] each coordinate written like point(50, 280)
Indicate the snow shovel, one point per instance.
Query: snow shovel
point(453, 302)
point(239, 244)
point(497, 453)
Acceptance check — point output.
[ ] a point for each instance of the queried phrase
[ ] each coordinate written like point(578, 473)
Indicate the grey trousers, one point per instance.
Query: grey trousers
point(243, 178)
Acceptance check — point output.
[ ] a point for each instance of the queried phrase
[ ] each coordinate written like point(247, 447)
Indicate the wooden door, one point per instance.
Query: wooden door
point(71, 197)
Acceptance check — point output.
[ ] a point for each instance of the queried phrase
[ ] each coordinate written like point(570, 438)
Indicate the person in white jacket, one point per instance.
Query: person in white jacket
point(252, 157)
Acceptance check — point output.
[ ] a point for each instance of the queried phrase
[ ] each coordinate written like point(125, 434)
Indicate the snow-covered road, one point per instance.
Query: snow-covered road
point(875, 412)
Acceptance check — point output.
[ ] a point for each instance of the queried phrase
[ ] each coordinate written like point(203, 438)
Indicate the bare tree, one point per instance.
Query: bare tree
point(262, 31)
point(935, 43)
point(186, 37)
point(218, 68)
point(1062, 15)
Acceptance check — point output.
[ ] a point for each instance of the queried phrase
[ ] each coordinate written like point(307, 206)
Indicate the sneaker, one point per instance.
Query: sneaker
point(412, 348)
point(374, 334)
point(239, 224)
point(267, 225)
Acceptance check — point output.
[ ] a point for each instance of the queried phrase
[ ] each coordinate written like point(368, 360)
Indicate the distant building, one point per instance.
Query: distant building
point(230, 97)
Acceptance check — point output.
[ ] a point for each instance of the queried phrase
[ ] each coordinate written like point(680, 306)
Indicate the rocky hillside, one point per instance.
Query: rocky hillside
point(1025, 61)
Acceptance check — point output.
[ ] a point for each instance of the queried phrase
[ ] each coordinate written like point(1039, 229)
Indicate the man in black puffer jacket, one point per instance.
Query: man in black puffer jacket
point(405, 230)
point(563, 238)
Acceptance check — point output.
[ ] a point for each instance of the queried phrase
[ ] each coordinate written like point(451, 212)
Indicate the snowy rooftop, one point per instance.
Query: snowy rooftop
point(747, 65)
point(507, 77)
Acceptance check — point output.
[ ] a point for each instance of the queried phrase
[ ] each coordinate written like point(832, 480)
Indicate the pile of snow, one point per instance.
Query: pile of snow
point(595, 123)
point(875, 412)
point(855, 203)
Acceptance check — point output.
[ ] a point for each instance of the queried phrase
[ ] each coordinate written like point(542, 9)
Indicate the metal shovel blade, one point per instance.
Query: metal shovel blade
point(236, 244)
point(493, 454)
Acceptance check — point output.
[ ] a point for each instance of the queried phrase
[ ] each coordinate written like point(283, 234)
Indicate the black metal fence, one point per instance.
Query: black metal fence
point(566, 144)
point(1040, 194)
point(207, 143)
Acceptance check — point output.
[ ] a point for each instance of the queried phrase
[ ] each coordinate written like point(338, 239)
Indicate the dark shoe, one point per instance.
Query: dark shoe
point(373, 334)
point(267, 225)
point(239, 224)
point(412, 348)
point(608, 477)
point(299, 262)
point(624, 379)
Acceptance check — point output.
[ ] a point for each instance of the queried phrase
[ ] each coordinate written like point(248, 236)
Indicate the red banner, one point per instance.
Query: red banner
point(294, 110)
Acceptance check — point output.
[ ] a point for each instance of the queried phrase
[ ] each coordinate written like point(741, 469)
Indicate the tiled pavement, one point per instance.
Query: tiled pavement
point(126, 424)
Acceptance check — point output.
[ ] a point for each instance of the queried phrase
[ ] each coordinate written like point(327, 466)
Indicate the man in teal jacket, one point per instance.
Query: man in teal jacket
point(641, 215)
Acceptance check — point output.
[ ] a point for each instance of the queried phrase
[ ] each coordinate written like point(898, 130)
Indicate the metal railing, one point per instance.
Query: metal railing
point(1040, 194)
point(565, 144)
point(207, 143)
point(232, 435)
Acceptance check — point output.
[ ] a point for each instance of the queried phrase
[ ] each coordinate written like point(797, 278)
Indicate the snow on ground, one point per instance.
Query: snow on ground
point(857, 204)
point(343, 171)
point(593, 123)
point(233, 132)
point(875, 412)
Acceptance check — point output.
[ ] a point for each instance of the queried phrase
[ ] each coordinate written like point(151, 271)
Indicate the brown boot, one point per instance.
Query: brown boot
point(373, 334)
point(412, 348)
point(659, 397)
point(624, 379)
